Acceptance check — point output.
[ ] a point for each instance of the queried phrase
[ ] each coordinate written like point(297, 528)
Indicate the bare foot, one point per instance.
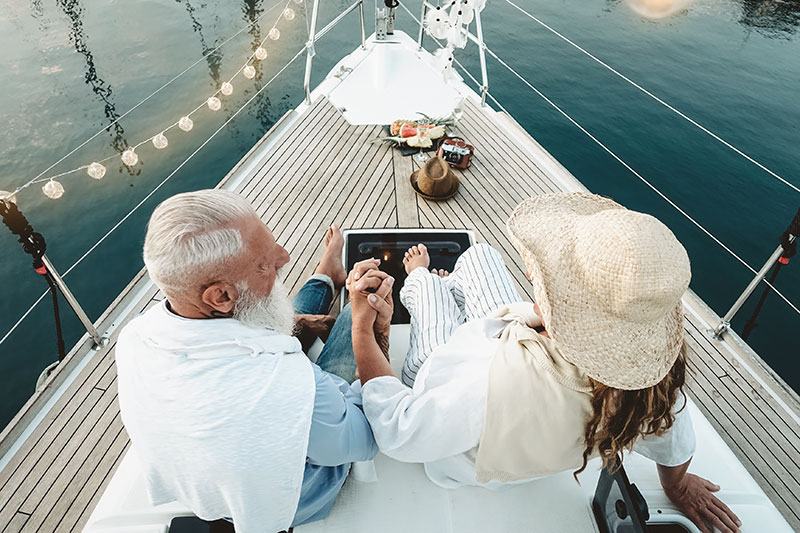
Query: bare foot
point(442, 273)
point(331, 262)
point(416, 256)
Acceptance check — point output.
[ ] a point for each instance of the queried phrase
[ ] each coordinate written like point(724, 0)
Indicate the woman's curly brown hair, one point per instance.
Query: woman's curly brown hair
point(622, 416)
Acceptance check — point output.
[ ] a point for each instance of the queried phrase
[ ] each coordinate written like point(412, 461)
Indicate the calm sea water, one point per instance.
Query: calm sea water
point(71, 67)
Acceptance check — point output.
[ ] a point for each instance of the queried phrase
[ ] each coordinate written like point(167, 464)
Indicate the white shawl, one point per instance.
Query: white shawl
point(220, 415)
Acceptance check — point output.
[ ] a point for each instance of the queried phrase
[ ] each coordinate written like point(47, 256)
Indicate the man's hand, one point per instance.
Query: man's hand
point(694, 497)
point(364, 279)
point(308, 327)
point(371, 301)
point(381, 302)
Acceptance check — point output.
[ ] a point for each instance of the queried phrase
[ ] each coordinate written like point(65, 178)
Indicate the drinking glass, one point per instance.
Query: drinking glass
point(421, 156)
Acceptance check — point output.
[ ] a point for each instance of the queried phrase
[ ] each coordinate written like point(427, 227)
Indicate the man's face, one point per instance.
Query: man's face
point(262, 258)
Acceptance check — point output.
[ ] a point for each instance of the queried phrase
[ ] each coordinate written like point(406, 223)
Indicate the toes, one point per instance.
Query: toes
point(422, 249)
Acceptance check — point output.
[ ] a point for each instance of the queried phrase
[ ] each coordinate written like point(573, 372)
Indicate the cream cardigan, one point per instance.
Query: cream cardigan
point(534, 395)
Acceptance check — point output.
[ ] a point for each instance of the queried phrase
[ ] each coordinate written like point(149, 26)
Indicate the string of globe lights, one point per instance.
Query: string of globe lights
point(54, 189)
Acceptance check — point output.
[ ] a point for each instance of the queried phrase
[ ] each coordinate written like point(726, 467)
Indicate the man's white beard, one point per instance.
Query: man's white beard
point(274, 312)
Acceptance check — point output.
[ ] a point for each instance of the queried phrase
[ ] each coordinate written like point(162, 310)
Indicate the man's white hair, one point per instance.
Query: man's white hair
point(191, 233)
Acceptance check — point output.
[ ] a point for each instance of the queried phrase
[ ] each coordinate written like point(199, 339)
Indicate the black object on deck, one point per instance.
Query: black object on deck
point(617, 504)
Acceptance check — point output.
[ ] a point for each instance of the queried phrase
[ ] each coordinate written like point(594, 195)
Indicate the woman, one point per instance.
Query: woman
point(488, 400)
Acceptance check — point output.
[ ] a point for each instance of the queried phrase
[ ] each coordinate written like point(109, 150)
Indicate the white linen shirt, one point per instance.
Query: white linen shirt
point(439, 422)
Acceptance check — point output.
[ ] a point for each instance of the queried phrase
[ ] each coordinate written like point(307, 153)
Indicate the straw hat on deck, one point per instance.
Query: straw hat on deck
point(435, 180)
point(608, 282)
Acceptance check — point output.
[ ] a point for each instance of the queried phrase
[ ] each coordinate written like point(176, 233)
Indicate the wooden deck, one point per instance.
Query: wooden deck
point(318, 170)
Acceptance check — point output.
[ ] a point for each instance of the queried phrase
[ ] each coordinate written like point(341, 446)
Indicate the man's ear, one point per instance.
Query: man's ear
point(221, 296)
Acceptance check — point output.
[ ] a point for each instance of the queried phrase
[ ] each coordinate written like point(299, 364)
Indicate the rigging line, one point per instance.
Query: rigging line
point(458, 63)
point(642, 178)
point(770, 285)
point(121, 221)
point(659, 100)
point(126, 113)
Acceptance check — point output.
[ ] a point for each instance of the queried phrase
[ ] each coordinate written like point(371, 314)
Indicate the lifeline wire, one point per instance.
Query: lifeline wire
point(614, 155)
point(145, 141)
point(635, 173)
point(458, 63)
point(126, 113)
point(118, 224)
point(659, 100)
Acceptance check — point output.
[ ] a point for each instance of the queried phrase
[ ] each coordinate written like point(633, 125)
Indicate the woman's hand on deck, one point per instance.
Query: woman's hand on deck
point(694, 497)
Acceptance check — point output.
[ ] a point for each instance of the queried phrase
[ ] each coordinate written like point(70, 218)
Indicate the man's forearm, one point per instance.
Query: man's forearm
point(370, 358)
point(383, 343)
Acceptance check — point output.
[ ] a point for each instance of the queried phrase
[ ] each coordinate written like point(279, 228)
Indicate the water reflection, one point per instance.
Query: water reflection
point(213, 58)
point(74, 11)
point(252, 10)
point(774, 18)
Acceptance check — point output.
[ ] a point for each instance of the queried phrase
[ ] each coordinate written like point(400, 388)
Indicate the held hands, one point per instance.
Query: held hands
point(370, 296)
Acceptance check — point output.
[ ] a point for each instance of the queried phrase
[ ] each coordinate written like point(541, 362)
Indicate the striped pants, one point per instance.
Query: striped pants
point(479, 284)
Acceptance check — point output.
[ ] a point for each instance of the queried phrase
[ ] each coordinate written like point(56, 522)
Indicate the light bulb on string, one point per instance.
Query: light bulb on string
point(160, 141)
point(274, 34)
point(226, 88)
point(288, 13)
point(130, 157)
point(53, 189)
point(185, 123)
point(8, 197)
point(96, 171)
point(249, 72)
point(214, 104)
point(261, 53)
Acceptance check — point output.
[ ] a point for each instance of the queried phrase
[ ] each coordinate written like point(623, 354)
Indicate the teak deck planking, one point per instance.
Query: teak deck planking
point(321, 170)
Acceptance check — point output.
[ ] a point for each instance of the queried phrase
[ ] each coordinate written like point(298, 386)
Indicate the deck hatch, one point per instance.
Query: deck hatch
point(390, 245)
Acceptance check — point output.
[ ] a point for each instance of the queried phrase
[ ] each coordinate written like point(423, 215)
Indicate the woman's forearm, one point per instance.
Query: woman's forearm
point(671, 477)
point(370, 358)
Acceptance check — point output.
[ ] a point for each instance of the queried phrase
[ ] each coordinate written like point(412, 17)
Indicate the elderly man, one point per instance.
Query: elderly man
point(226, 412)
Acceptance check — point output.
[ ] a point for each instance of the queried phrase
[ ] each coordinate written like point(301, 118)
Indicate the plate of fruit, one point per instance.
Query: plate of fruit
point(416, 133)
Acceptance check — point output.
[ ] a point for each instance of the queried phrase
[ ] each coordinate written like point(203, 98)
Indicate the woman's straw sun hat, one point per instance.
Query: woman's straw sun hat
point(608, 282)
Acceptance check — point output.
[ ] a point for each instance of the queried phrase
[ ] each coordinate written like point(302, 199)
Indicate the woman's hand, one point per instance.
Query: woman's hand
point(368, 285)
point(369, 288)
point(371, 309)
point(694, 497)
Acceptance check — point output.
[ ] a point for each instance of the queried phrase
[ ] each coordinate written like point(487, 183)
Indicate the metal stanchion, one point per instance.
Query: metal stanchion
point(782, 253)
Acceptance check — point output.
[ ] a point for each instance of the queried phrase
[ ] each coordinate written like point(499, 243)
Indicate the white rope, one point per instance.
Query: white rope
point(681, 211)
point(123, 219)
point(659, 100)
point(642, 178)
point(458, 63)
point(129, 111)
